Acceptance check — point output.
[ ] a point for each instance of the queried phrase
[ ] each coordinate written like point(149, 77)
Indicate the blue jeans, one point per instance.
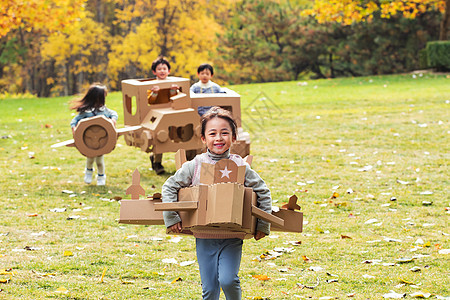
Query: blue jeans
point(219, 261)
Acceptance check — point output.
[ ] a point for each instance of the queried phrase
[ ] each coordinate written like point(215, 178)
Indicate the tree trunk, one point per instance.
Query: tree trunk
point(443, 32)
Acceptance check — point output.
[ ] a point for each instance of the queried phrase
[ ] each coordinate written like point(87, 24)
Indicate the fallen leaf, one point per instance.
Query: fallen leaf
point(388, 239)
point(426, 193)
point(58, 210)
point(415, 269)
point(402, 182)
point(261, 277)
point(371, 221)
point(68, 253)
point(404, 260)
point(335, 195)
point(420, 295)
point(405, 281)
point(345, 237)
point(125, 281)
point(306, 259)
point(170, 261)
point(30, 248)
point(394, 295)
point(176, 279)
point(103, 275)
point(295, 243)
point(187, 263)
point(62, 290)
point(33, 215)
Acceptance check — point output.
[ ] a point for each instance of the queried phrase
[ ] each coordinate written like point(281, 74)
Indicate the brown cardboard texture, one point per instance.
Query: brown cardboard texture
point(170, 119)
point(293, 220)
point(141, 212)
point(198, 217)
point(136, 189)
point(249, 220)
point(224, 170)
point(225, 203)
point(224, 206)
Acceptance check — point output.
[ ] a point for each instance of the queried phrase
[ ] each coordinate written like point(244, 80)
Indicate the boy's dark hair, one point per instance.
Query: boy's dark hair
point(218, 112)
point(93, 100)
point(158, 61)
point(204, 67)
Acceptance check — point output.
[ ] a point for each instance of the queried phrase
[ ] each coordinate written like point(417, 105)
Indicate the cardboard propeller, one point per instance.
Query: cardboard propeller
point(95, 136)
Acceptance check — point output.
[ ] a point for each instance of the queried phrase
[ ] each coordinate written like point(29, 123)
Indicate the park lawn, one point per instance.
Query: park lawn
point(367, 157)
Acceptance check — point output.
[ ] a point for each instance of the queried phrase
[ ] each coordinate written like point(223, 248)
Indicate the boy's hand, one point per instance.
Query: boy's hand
point(259, 235)
point(155, 89)
point(176, 228)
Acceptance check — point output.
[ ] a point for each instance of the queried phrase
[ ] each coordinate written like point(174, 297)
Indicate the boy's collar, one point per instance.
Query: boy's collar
point(206, 85)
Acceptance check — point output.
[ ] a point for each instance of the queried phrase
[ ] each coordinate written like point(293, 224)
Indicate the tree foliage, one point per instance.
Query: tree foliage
point(351, 11)
point(348, 12)
point(271, 41)
point(38, 15)
point(59, 47)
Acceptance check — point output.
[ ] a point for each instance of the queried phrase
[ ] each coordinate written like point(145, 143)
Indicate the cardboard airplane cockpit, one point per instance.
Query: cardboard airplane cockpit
point(170, 119)
point(95, 136)
point(220, 202)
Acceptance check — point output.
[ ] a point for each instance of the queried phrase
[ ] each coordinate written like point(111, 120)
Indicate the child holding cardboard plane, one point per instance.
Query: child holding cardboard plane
point(161, 69)
point(218, 253)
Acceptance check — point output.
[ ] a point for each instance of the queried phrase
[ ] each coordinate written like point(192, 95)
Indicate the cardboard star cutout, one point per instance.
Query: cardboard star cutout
point(225, 172)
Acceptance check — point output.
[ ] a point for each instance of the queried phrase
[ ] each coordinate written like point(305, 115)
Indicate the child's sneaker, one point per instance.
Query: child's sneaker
point(88, 176)
point(101, 179)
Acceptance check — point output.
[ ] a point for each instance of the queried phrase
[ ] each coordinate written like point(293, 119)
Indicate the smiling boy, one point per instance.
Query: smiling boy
point(205, 86)
point(161, 69)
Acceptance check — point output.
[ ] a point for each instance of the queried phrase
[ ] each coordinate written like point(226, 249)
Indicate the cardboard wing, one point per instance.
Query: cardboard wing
point(141, 212)
point(136, 211)
point(225, 206)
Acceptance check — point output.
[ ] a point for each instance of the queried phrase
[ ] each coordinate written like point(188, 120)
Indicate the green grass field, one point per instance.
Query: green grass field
point(378, 144)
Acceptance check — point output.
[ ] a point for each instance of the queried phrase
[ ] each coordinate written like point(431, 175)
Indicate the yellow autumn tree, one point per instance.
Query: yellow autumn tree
point(79, 55)
point(183, 31)
point(38, 15)
point(350, 11)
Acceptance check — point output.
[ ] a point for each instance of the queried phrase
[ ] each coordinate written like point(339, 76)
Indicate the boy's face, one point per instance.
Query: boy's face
point(161, 72)
point(205, 76)
point(218, 135)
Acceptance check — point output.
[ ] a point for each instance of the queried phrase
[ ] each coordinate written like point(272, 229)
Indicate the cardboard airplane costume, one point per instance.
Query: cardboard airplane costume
point(95, 136)
point(170, 120)
point(158, 124)
point(220, 202)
